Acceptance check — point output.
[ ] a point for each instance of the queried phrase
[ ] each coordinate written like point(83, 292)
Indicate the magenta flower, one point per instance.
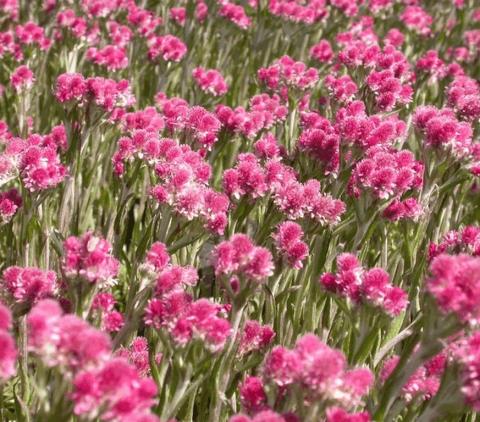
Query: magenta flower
point(89, 257)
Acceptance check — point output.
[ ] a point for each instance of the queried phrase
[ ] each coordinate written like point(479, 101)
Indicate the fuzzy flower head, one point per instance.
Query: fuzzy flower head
point(22, 78)
point(28, 284)
point(318, 369)
point(454, 283)
point(288, 240)
point(286, 72)
point(210, 81)
point(371, 286)
point(8, 350)
point(89, 257)
point(239, 256)
point(387, 173)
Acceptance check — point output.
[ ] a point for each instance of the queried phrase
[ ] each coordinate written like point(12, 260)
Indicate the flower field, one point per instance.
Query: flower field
point(240, 210)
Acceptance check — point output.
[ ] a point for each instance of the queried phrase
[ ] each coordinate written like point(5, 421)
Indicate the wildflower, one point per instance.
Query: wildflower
point(210, 81)
point(369, 286)
point(169, 47)
point(10, 202)
point(240, 256)
point(288, 241)
point(28, 284)
point(8, 350)
point(236, 14)
point(453, 283)
point(89, 257)
point(22, 78)
point(255, 337)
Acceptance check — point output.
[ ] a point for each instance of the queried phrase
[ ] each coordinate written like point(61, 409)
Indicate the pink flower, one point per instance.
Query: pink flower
point(157, 256)
point(112, 57)
point(8, 356)
point(8, 350)
point(454, 282)
point(113, 391)
point(236, 14)
point(288, 241)
point(322, 52)
point(252, 394)
point(10, 202)
point(178, 15)
point(169, 47)
point(22, 78)
point(240, 256)
point(64, 339)
point(369, 286)
point(416, 19)
point(285, 72)
point(337, 414)
point(210, 81)
point(137, 355)
point(308, 12)
point(89, 257)
point(321, 141)
point(255, 337)
point(387, 173)
point(28, 284)
point(70, 86)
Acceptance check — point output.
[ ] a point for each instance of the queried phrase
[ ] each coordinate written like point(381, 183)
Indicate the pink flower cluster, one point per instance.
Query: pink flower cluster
point(103, 306)
point(104, 386)
point(286, 73)
point(386, 173)
point(89, 258)
point(454, 283)
point(210, 81)
point(35, 159)
point(64, 339)
point(194, 124)
point(255, 337)
point(28, 284)
point(10, 202)
point(322, 52)
point(358, 129)
point(288, 240)
point(294, 199)
point(468, 354)
point(188, 320)
point(32, 34)
point(168, 47)
point(417, 19)
point(105, 93)
point(307, 12)
point(239, 259)
point(424, 382)
point(463, 96)
point(408, 209)
point(320, 140)
point(22, 78)
point(173, 308)
point(466, 241)
point(320, 371)
point(183, 175)
point(114, 391)
point(235, 14)
point(8, 350)
point(342, 88)
point(370, 287)
point(137, 354)
point(111, 57)
point(443, 131)
point(264, 112)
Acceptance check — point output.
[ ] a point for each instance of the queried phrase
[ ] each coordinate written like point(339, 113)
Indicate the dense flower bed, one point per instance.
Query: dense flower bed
point(239, 210)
